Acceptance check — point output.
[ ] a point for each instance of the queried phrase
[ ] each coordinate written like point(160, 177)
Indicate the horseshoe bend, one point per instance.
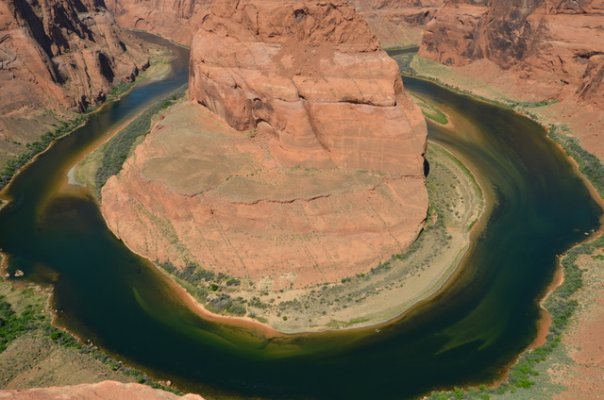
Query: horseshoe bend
point(311, 199)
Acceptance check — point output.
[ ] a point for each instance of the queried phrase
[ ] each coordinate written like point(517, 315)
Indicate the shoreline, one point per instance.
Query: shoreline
point(545, 321)
point(83, 118)
point(447, 277)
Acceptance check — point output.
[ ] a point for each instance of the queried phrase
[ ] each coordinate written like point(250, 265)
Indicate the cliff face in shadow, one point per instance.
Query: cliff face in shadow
point(57, 56)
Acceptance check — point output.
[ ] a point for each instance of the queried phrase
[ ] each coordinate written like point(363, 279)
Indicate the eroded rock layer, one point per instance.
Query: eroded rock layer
point(106, 390)
point(397, 22)
point(57, 55)
point(539, 50)
point(314, 171)
point(177, 20)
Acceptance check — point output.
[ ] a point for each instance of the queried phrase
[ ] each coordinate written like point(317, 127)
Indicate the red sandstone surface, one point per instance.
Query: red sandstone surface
point(56, 55)
point(177, 20)
point(106, 390)
point(541, 50)
point(319, 175)
point(397, 22)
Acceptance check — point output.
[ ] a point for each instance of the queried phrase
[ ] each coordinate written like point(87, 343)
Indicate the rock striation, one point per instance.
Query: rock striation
point(57, 55)
point(177, 20)
point(397, 22)
point(310, 170)
point(553, 48)
point(311, 75)
point(106, 390)
point(540, 38)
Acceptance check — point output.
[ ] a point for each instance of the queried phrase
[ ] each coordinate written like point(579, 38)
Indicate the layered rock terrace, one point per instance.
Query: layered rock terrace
point(310, 170)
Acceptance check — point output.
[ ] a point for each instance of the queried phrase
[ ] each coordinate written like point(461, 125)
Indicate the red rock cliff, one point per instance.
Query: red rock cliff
point(318, 174)
point(57, 55)
point(177, 20)
point(531, 51)
point(397, 22)
point(312, 75)
point(539, 38)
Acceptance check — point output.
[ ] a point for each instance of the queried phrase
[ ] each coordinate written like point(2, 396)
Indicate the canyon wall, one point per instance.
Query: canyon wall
point(531, 51)
point(560, 42)
point(309, 167)
point(177, 20)
point(397, 22)
point(55, 56)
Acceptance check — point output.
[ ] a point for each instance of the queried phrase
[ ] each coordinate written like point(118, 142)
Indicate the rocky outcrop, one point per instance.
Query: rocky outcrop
point(397, 22)
point(592, 86)
point(107, 390)
point(177, 20)
point(412, 12)
point(539, 37)
point(57, 55)
point(318, 174)
point(532, 51)
point(313, 76)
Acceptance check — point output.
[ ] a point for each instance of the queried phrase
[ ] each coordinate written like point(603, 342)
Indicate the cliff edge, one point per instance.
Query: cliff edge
point(57, 56)
point(309, 167)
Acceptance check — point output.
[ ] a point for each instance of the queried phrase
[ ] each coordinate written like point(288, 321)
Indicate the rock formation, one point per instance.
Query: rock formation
point(535, 50)
point(539, 37)
point(397, 22)
point(106, 390)
point(319, 175)
point(177, 20)
point(57, 55)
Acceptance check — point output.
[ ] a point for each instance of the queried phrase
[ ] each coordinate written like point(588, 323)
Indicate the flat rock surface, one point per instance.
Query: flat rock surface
point(199, 191)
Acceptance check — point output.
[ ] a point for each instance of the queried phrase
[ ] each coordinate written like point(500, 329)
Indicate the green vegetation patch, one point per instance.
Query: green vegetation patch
point(430, 111)
point(35, 148)
point(118, 149)
point(33, 319)
point(13, 325)
point(589, 164)
point(210, 288)
point(561, 306)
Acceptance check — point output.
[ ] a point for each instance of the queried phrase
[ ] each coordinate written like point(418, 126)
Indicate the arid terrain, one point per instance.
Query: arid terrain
point(265, 201)
point(58, 57)
point(101, 390)
point(288, 187)
point(553, 49)
point(398, 23)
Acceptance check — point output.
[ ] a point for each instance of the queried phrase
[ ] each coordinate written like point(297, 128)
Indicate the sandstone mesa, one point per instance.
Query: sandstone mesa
point(320, 174)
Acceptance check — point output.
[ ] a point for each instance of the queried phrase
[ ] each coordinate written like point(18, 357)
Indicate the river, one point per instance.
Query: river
point(467, 334)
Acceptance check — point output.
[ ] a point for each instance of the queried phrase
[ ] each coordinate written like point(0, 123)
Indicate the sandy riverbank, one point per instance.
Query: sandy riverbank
point(388, 291)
